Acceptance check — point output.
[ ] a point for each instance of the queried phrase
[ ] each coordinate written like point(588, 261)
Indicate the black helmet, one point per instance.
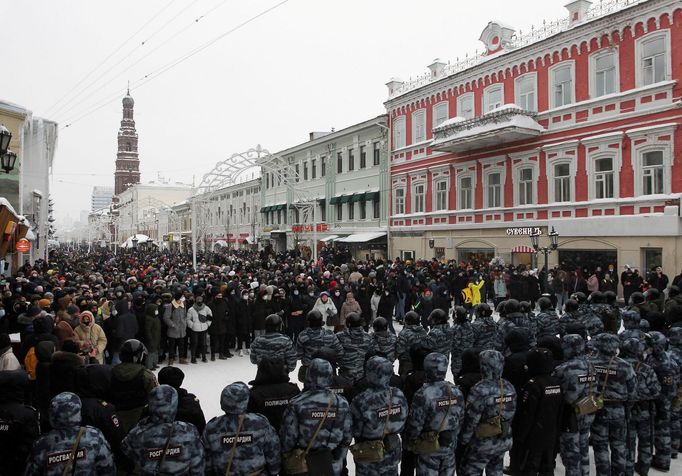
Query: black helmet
point(512, 305)
point(353, 319)
point(610, 297)
point(315, 318)
point(412, 318)
point(273, 323)
point(501, 308)
point(461, 314)
point(524, 307)
point(133, 351)
point(673, 290)
point(438, 316)
point(572, 305)
point(484, 310)
point(544, 303)
point(596, 297)
point(579, 296)
point(637, 298)
point(653, 294)
point(328, 354)
point(380, 324)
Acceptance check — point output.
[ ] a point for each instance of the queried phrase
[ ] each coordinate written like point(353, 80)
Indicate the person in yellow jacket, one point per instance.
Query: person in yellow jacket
point(91, 337)
point(472, 294)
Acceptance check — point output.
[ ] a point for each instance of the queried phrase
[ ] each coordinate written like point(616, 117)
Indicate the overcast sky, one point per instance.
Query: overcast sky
point(307, 65)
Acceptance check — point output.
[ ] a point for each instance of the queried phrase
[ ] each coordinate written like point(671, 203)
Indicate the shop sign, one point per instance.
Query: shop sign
point(524, 231)
point(321, 228)
point(23, 245)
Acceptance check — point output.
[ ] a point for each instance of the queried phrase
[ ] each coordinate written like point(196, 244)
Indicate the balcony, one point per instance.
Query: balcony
point(500, 126)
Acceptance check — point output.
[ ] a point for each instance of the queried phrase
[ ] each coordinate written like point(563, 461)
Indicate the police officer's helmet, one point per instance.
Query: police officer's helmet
point(524, 307)
point(544, 303)
point(673, 290)
point(653, 294)
point(273, 323)
point(380, 324)
point(133, 351)
point(412, 318)
point(637, 298)
point(512, 305)
point(438, 316)
point(354, 319)
point(572, 305)
point(610, 297)
point(461, 314)
point(597, 297)
point(501, 308)
point(315, 318)
point(328, 354)
point(579, 296)
point(484, 310)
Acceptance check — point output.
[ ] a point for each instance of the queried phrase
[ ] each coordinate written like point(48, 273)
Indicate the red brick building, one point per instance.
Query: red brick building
point(574, 125)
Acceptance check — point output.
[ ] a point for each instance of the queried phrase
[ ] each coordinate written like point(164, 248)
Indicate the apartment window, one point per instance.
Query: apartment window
point(442, 195)
point(526, 181)
point(363, 157)
point(376, 150)
point(313, 169)
point(399, 206)
point(377, 209)
point(351, 159)
point(351, 211)
point(465, 106)
point(494, 187)
point(339, 212)
point(399, 133)
point(604, 66)
point(323, 166)
point(279, 217)
point(603, 178)
point(363, 210)
point(305, 170)
point(419, 126)
point(562, 85)
point(323, 212)
point(652, 172)
point(562, 183)
point(440, 113)
point(267, 181)
point(339, 163)
point(493, 97)
point(466, 193)
point(419, 194)
point(526, 96)
point(654, 59)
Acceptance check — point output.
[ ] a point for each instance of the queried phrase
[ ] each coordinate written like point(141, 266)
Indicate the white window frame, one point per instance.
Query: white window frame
point(639, 61)
point(517, 182)
point(591, 169)
point(414, 197)
point(551, 182)
point(460, 107)
point(460, 190)
point(487, 104)
point(533, 77)
point(438, 111)
point(593, 71)
point(564, 64)
point(419, 126)
point(399, 139)
point(436, 192)
point(596, 179)
point(401, 200)
point(639, 167)
point(486, 186)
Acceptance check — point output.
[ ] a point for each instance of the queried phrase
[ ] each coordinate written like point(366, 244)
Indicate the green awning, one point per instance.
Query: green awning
point(358, 197)
point(321, 201)
point(264, 209)
point(344, 198)
point(371, 196)
point(334, 200)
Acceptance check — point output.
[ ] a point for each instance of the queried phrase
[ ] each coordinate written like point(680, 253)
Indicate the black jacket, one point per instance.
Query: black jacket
point(538, 412)
point(515, 363)
point(271, 392)
point(189, 410)
point(19, 427)
point(63, 372)
point(219, 320)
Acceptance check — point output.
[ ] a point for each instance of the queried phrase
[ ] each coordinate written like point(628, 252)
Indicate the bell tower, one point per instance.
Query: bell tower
point(127, 160)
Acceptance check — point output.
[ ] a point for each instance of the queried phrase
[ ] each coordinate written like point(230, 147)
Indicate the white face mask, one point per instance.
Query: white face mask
point(156, 313)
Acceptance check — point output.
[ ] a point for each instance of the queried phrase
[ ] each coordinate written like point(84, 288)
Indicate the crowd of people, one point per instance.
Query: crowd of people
point(542, 364)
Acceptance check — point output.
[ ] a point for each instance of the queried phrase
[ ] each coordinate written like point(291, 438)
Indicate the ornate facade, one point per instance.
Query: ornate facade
point(127, 159)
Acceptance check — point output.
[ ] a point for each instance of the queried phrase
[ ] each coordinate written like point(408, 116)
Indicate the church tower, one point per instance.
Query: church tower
point(127, 160)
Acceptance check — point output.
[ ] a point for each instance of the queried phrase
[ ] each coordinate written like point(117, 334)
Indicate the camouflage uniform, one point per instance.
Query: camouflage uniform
point(462, 339)
point(384, 342)
point(492, 396)
point(590, 319)
point(145, 443)
point(439, 339)
point(609, 431)
point(516, 320)
point(429, 405)
point(639, 412)
point(668, 373)
point(547, 323)
point(486, 333)
point(311, 340)
point(631, 324)
point(370, 413)
point(306, 410)
point(257, 445)
point(274, 346)
point(675, 351)
point(410, 335)
point(578, 380)
point(356, 343)
point(51, 451)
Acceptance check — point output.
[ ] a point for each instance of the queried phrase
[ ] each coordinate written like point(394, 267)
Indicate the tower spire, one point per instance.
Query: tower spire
point(127, 160)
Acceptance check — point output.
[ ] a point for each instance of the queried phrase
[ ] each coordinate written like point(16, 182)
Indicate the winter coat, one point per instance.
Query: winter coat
point(7, 360)
point(199, 317)
point(92, 337)
point(175, 317)
point(21, 420)
point(126, 324)
point(63, 372)
point(152, 328)
point(260, 310)
point(271, 392)
point(219, 318)
point(326, 309)
point(386, 306)
point(346, 308)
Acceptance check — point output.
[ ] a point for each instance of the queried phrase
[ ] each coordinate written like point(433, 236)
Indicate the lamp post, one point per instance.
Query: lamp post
point(134, 241)
point(9, 159)
point(546, 250)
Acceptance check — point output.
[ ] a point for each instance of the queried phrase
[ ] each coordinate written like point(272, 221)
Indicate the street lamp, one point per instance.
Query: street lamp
point(5, 137)
point(134, 241)
point(8, 159)
point(546, 250)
